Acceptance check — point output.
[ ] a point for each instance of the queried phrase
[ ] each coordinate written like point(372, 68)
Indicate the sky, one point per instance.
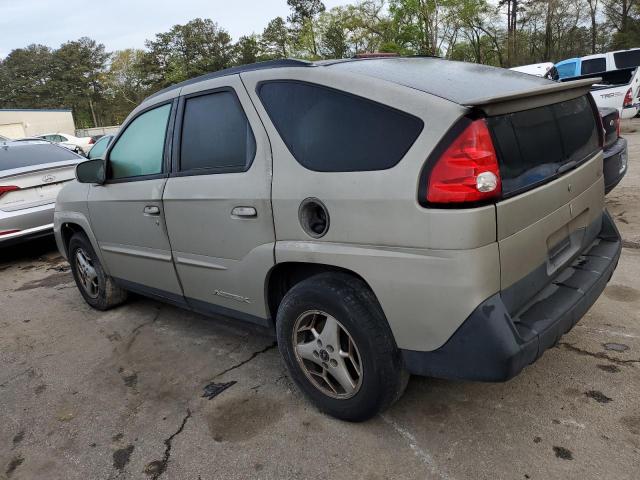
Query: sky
point(120, 24)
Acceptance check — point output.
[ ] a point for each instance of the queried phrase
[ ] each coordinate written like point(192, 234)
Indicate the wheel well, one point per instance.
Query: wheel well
point(285, 276)
point(67, 230)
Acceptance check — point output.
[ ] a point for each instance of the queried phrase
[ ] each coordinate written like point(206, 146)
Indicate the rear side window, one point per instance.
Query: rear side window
point(537, 145)
point(216, 134)
point(593, 65)
point(139, 150)
point(327, 130)
point(628, 59)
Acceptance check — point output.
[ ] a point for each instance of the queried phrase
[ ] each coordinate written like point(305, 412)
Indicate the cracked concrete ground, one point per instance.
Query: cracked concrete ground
point(125, 393)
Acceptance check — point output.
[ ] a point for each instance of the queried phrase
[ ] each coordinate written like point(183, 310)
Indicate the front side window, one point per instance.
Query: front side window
point(216, 134)
point(139, 150)
point(328, 130)
point(99, 147)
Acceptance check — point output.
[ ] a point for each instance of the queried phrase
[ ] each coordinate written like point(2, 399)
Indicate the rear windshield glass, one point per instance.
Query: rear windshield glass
point(537, 145)
point(628, 59)
point(593, 65)
point(24, 154)
point(327, 130)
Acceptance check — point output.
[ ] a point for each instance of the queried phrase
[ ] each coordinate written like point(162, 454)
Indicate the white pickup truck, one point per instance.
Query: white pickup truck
point(618, 89)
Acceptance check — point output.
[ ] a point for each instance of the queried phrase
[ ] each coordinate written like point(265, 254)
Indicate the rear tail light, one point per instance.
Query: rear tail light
point(467, 171)
point(8, 232)
point(628, 99)
point(7, 189)
point(92, 141)
point(602, 132)
point(617, 120)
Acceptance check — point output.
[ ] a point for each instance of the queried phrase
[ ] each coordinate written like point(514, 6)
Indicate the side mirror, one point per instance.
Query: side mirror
point(91, 171)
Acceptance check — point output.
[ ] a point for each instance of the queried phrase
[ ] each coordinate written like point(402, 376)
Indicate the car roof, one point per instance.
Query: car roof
point(459, 82)
point(452, 80)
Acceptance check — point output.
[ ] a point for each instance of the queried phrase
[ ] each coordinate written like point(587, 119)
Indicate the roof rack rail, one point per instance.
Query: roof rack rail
point(279, 63)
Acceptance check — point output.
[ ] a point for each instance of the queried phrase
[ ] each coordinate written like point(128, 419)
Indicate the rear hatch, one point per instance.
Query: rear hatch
point(32, 174)
point(551, 168)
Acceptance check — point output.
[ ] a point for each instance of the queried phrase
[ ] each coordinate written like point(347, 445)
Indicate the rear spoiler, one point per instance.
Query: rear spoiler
point(553, 92)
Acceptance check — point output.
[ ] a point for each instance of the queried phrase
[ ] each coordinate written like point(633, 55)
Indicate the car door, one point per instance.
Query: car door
point(217, 200)
point(126, 212)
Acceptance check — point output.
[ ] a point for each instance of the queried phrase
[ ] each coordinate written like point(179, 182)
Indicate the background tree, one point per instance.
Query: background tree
point(275, 39)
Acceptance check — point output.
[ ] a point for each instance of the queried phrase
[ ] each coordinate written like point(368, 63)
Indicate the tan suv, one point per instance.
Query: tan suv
point(383, 217)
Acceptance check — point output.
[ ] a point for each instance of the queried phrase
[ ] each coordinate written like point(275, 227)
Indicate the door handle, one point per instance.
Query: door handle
point(151, 210)
point(244, 212)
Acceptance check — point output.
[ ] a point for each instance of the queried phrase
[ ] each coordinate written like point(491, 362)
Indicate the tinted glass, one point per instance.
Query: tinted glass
point(216, 134)
point(99, 147)
point(628, 59)
point(62, 139)
point(331, 131)
point(139, 150)
point(534, 144)
point(566, 70)
point(27, 154)
point(593, 65)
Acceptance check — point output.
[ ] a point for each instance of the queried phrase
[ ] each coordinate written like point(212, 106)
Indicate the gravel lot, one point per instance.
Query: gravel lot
point(87, 395)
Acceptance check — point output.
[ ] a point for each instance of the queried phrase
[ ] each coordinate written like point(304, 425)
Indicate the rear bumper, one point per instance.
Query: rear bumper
point(30, 223)
point(615, 164)
point(492, 345)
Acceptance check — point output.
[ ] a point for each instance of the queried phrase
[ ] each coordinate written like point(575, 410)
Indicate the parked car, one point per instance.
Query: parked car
point(31, 175)
point(78, 144)
point(378, 215)
point(600, 62)
point(614, 149)
point(100, 147)
point(537, 69)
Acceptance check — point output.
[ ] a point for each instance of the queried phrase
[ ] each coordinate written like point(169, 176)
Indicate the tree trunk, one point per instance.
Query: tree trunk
point(93, 113)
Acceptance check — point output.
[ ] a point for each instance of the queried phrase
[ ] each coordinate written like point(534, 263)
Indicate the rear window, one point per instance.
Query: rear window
point(593, 65)
point(537, 145)
point(327, 130)
point(27, 154)
point(566, 70)
point(627, 59)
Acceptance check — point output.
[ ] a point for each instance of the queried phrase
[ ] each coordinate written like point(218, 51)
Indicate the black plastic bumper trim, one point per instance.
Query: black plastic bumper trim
point(493, 346)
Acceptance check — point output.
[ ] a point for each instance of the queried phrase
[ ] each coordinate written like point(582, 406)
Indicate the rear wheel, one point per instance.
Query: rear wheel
point(339, 348)
point(96, 287)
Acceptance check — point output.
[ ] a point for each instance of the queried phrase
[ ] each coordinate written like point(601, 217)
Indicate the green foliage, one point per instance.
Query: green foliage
point(102, 87)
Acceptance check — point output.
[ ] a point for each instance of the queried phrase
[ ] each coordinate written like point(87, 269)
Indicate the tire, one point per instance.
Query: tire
point(103, 293)
point(363, 331)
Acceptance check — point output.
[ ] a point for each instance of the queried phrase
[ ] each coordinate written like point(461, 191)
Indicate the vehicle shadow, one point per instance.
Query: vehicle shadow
point(29, 250)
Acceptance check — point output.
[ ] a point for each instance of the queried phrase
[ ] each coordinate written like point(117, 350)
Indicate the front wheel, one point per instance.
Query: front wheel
point(339, 348)
point(96, 287)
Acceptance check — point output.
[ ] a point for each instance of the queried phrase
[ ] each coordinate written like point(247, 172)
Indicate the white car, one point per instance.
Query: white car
point(537, 69)
point(78, 144)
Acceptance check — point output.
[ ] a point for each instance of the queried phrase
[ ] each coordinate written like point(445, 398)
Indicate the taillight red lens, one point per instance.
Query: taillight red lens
point(92, 141)
point(8, 232)
point(7, 189)
point(628, 99)
point(468, 170)
point(617, 120)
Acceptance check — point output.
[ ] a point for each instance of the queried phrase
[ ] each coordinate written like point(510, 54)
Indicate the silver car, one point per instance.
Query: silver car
point(382, 217)
point(31, 175)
